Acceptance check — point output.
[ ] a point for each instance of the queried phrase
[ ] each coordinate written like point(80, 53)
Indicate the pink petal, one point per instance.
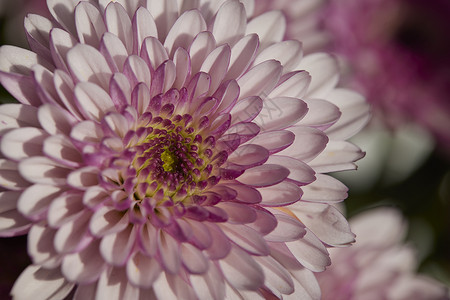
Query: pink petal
point(294, 84)
point(308, 143)
point(35, 200)
point(60, 43)
point(279, 113)
point(65, 208)
point(389, 222)
point(241, 270)
point(249, 155)
point(23, 142)
point(73, 236)
point(56, 120)
point(246, 194)
point(322, 114)
point(89, 24)
point(227, 95)
point(220, 246)
point(182, 63)
point(209, 285)
point(200, 48)
point(324, 72)
point(277, 278)
point(264, 175)
point(326, 222)
point(281, 194)
point(310, 252)
point(142, 270)
point(288, 229)
point(83, 178)
point(115, 248)
point(325, 189)
point(355, 113)
point(270, 27)
point(47, 283)
point(300, 173)
point(33, 168)
point(114, 51)
point(265, 221)
point(106, 221)
point(63, 12)
point(165, 14)
point(64, 87)
point(93, 101)
point(169, 250)
point(274, 141)
point(230, 23)
point(260, 79)
point(137, 71)
point(288, 53)
point(216, 65)
point(114, 285)
point(118, 22)
point(18, 115)
point(238, 213)
point(337, 156)
point(10, 177)
point(188, 25)
point(193, 259)
point(143, 25)
point(40, 246)
point(246, 110)
point(84, 266)
point(242, 55)
point(87, 64)
point(61, 149)
point(87, 131)
point(306, 285)
point(38, 31)
point(247, 238)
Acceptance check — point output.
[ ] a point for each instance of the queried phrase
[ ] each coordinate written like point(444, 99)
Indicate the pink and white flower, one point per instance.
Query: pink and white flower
point(379, 265)
point(170, 150)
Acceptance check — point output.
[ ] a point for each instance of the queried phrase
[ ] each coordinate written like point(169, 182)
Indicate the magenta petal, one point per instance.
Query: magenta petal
point(264, 175)
point(281, 194)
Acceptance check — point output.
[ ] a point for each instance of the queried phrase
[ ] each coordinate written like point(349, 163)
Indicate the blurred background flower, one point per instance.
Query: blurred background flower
point(379, 265)
point(396, 53)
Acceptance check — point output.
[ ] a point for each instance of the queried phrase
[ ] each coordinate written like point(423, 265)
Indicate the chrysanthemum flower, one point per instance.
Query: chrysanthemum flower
point(168, 150)
point(379, 265)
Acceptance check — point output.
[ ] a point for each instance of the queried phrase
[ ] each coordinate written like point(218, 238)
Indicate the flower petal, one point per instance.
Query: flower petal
point(260, 79)
point(241, 270)
point(326, 222)
point(270, 27)
point(39, 169)
point(89, 24)
point(87, 64)
point(230, 23)
point(310, 252)
point(47, 284)
point(264, 175)
point(23, 142)
point(142, 270)
point(283, 193)
point(324, 72)
point(325, 189)
point(188, 25)
point(308, 143)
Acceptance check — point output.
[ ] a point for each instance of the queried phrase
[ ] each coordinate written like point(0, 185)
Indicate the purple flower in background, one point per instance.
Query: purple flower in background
point(397, 58)
point(165, 150)
point(379, 265)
